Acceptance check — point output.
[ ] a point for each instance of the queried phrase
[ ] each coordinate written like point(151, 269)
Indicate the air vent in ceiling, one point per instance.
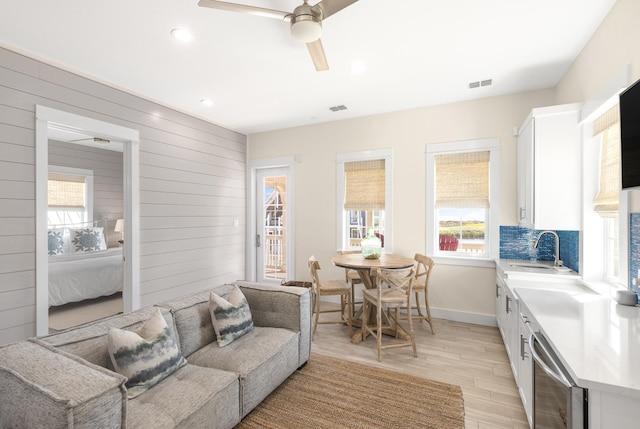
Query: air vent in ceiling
point(338, 108)
point(480, 83)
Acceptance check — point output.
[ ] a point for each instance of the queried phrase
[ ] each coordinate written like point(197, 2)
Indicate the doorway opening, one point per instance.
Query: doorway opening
point(271, 253)
point(50, 122)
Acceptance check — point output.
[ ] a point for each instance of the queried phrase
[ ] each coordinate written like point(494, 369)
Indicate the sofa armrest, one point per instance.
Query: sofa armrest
point(281, 307)
point(41, 387)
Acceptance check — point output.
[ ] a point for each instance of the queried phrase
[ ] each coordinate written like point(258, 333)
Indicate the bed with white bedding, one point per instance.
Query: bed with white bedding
point(76, 277)
point(80, 265)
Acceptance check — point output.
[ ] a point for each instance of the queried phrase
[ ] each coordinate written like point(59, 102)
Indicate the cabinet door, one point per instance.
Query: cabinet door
point(526, 158)
point(525, 371)
point(557, 171)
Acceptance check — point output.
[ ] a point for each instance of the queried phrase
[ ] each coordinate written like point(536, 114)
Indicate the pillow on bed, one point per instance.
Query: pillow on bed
point(231, 317)
point(87, 240)
point(146, 356)
point(56, 242)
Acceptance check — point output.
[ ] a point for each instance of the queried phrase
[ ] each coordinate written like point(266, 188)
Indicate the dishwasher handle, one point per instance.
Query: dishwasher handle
point(554, 373)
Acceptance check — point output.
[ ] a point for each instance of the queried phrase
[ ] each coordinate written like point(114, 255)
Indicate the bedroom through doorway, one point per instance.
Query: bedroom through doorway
point(87, 220)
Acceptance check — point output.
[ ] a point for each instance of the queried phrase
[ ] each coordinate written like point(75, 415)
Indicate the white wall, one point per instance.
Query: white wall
point(192, 186)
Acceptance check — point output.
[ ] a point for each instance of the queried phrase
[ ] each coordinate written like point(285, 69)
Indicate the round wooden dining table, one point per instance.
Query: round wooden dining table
point(355, 261)
point(363, 266)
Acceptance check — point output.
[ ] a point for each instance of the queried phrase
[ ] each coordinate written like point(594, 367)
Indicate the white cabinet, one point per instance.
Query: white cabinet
point(507, 318)
point(549, 169)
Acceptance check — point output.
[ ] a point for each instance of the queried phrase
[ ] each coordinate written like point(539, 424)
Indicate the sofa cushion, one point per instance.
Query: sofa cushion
point(145, 356)
point(231, 317)
point(89, 341)
point(263, 359)
point(193, 319)
point(192, 397)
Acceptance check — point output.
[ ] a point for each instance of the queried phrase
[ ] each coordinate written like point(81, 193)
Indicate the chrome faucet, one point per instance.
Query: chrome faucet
point(557, 262)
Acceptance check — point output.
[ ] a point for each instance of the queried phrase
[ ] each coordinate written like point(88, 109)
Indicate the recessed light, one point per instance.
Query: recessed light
point(358, 67)
point(206, 102)
point(181, 34)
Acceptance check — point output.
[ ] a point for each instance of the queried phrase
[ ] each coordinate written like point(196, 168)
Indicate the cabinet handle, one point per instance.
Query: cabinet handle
point(508, 304)
point(497, 290)
point(523, 211)
point(523, 353)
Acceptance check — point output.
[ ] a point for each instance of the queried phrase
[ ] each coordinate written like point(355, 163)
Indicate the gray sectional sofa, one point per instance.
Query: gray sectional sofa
point(67, 380)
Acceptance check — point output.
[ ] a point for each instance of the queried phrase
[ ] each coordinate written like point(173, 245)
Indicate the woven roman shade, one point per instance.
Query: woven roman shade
point(364, 185)
point(462, 180)
point(606, 201)
point(66, 190)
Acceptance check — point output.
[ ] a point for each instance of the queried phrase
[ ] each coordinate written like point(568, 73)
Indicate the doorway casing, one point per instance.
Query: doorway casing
point(47, 118)
point(286, 163)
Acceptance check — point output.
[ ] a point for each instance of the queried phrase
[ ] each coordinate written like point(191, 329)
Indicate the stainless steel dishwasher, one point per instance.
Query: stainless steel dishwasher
point(558, 403)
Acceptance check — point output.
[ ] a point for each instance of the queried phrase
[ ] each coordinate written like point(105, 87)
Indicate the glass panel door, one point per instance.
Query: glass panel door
point(271, 229)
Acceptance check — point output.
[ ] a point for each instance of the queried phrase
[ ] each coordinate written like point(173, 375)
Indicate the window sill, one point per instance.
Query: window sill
point(603, 287)
point(467, 261)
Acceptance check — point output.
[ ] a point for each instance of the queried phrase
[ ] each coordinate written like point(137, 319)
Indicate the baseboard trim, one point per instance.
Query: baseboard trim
point(443, 313)
point(461, 316)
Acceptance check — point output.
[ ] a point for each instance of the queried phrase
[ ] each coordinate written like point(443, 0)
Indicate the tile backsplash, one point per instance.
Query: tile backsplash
point(517, 243)
point(634, 249)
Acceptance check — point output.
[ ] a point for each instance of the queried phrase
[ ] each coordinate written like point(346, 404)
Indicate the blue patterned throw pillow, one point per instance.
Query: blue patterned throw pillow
point(231, 317)
point(87, 240)
point(56, 243)
point(145, 357)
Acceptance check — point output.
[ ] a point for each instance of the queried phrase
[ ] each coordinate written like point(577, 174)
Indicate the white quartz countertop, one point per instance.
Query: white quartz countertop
point(597, 340)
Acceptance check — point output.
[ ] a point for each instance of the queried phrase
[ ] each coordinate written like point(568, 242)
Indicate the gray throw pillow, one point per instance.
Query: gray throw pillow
point(145, 357)
point(231, 317)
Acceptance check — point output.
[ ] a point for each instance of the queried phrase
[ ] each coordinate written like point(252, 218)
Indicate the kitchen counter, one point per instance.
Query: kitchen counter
point(596, 339)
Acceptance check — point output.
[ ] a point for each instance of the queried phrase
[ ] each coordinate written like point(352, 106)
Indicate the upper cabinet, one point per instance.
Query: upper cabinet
point(549, 169)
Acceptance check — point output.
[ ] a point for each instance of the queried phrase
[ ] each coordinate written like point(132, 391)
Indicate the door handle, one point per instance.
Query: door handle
point(258, 244)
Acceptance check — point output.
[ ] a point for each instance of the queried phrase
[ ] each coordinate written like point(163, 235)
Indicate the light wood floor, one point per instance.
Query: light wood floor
point(471, 356)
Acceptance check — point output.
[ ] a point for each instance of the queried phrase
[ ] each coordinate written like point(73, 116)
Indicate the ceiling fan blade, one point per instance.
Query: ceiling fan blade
point(329, 7)
point(244, 8)
point(317, 55)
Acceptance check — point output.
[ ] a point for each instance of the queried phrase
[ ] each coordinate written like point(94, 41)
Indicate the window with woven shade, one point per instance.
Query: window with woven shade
point(364, 191)
point(606, 203)
point(463, 197)
point(607, 126)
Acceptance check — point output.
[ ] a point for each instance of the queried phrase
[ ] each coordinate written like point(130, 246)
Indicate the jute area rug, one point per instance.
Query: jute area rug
point(332, 393)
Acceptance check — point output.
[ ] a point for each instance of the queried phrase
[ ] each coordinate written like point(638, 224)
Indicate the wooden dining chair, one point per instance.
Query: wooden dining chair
point(329, 288)
point(424, 267)
point(352, 277)
point(388, 301)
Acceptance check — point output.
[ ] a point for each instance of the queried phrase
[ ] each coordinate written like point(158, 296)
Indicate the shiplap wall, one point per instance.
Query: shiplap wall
point(192, 188)
point(107, 167)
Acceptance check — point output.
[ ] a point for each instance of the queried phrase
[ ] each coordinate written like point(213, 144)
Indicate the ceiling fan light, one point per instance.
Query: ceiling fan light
point(306, 28)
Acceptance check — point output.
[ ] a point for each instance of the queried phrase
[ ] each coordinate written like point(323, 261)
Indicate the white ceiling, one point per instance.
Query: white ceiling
point(416, 53)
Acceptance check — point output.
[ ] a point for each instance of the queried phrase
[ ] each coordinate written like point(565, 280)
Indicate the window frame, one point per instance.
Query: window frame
point(492, 237)
point(593, 264)
point(342, 215)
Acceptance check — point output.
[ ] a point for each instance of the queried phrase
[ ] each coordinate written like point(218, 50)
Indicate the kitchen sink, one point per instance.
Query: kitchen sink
point(536, 265)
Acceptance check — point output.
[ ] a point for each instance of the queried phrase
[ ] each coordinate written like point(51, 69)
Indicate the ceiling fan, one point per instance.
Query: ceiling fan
point(305, 21)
